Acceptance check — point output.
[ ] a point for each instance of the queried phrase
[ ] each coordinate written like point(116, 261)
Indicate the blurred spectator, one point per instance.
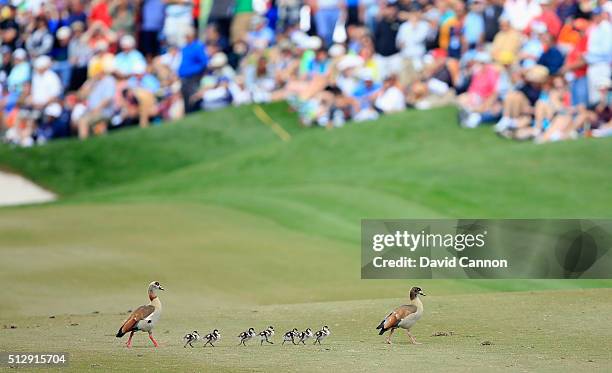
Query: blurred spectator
point(152, 13)
point(129, 58)
point(243, 12)
point(326, 15)
point(193, 64)
point(535, 69)
point(178, 22)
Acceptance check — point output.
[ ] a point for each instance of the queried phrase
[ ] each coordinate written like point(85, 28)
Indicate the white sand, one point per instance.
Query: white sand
point(16, 190)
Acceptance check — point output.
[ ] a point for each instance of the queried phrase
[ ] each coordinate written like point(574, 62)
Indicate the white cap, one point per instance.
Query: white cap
point(349, 62)
point(218, 60)
point(20, 54)
point(53, 110)
point(42, 62)
point(314, 42)
point(127, 41)
point(337, 50)
point(63, 33)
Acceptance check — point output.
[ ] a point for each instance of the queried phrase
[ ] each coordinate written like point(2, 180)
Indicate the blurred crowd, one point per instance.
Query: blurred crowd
point(532, 69)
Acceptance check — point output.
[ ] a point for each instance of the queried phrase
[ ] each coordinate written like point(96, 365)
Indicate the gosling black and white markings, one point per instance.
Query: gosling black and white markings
point(212, 337)
point(321, 334)
point(304, 336)
point(294, 336)
point(246, 336)
point(190, 338)
point(265, 335)
point(290, 336)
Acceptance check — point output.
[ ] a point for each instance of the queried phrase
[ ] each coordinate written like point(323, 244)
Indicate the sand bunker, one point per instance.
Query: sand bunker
point(17, 190)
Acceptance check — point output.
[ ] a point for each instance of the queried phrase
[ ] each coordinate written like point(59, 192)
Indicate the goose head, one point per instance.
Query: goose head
point(416, 291)
point(153, 288)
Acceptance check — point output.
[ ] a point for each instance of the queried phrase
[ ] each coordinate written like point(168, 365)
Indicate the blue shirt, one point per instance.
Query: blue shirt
point(153, 15)
point(473, 28)
point(18, 76)
point(194, 60)
point(552, 59)
point(148, 82)
point(125, 62)
point(363, 93)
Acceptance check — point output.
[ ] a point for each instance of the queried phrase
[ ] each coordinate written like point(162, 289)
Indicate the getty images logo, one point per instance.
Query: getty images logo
point(422, 239)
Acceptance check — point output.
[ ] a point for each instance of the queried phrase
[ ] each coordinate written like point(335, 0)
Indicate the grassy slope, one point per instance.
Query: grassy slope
point(190, 204)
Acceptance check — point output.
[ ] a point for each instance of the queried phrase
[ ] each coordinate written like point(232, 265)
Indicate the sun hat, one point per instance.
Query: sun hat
point(537, 74)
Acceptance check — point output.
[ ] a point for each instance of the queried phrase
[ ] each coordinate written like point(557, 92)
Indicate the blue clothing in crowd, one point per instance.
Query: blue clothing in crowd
point(553, 60)
point(194, 59)
point(153, 15)
point(473, 28)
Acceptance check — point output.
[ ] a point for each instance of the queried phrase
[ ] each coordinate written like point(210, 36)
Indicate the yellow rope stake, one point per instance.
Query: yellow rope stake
point(275, 127)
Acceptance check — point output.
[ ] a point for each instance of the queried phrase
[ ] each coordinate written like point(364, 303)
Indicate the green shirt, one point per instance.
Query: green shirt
point(244, 6)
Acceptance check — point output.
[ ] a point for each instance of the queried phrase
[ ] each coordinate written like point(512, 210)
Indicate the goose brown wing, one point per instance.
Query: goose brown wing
point(398, 315)
point(139, 313)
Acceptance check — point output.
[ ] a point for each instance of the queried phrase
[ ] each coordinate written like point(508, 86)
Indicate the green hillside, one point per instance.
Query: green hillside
point(244, 229)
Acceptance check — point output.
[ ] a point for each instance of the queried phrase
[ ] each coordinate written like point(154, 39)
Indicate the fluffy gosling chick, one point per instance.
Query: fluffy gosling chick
point(305, 335)
point(321, 334)
point(212, 337)
point(190, 338)
point(265, 335)
point(290, 336)
point(246, 336)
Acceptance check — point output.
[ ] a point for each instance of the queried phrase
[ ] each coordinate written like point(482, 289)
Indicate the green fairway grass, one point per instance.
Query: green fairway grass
point(244, 229)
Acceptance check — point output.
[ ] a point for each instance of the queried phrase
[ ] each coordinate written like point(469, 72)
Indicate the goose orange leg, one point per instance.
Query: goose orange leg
point(129, 341)
point(153, 340)
point(389, 336)
point(412, 339)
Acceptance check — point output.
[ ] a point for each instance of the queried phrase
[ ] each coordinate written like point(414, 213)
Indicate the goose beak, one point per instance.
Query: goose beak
point(161, 288)
point(421, 293)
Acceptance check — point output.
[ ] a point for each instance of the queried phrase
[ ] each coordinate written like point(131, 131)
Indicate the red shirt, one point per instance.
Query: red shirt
point(576, 54)
point(551, 20)
point(99, 12)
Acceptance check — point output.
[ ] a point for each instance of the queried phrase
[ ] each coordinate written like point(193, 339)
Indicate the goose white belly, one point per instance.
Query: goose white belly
point(410, 320)
point(147, 324)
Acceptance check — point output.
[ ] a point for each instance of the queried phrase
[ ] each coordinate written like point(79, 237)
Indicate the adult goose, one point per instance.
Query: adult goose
point(404, 316)
point(144, 318)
